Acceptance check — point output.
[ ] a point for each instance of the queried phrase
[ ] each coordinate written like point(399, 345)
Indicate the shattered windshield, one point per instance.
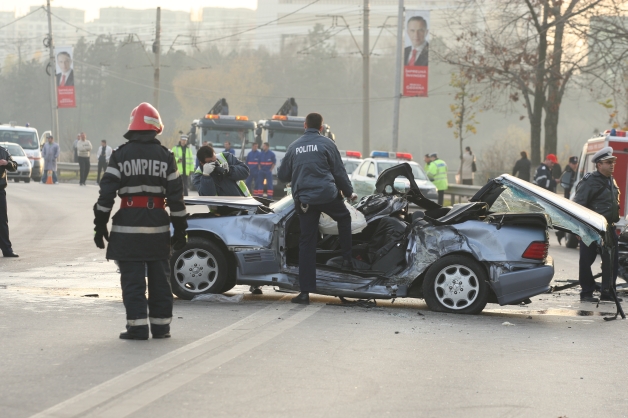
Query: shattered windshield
point(514, 200)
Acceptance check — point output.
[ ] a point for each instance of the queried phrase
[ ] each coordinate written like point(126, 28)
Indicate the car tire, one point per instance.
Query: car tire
point(37, 179)
point(16, 180)
point(456, 284)
point(27, 180)
point(571, 241)
point(199, 267)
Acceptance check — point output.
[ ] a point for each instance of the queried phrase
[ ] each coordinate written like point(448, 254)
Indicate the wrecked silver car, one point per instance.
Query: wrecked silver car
point(492, 249)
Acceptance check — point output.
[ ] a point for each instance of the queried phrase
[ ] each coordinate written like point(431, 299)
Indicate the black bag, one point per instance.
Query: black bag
point(474, 167)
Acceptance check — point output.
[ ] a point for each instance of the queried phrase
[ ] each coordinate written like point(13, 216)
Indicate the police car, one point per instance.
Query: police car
point(23, 171)
point(351, 160)
point(366, 174)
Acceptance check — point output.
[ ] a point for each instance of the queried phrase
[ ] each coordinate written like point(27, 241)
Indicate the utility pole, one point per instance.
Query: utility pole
point(398, 67)
point(53, 80)
point(157, 52)
point(366, 78)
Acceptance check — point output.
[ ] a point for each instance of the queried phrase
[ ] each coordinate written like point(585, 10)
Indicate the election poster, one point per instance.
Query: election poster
point(65, 77)
point(416, 53)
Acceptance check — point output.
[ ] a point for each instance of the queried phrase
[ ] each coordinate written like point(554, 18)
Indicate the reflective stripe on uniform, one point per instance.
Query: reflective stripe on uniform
point(102, 208)
point(140, 229)
point(179, 213)
point(114, 171)
point(142, 188)
point(173, 176)
point(240, 183)
point(160, 321)
point(137, 322)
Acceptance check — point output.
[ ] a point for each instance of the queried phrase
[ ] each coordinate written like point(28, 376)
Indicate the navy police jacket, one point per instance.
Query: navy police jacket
point(314, 167)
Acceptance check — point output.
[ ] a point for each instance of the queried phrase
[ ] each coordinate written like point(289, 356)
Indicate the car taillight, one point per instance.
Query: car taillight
point(536, 250)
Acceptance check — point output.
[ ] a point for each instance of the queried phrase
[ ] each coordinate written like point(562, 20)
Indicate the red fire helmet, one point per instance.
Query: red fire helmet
point(145, 118)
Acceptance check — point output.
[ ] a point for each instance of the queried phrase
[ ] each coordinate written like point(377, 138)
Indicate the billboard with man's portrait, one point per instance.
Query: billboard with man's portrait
point(416, 53)
point(64, 73)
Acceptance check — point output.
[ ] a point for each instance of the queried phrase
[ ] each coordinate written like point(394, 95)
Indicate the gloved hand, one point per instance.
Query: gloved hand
point(225, 166)
point(208, 168)
point(179, 238)
point(100, 232)
point(353, 197)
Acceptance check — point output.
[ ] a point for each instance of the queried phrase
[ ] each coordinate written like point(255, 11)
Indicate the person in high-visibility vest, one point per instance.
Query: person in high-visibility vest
point(185, 161)
point(220, 174)
point(437, 173)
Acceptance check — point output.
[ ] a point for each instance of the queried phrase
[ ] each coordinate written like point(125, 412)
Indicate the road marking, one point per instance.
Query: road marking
point(112, 392)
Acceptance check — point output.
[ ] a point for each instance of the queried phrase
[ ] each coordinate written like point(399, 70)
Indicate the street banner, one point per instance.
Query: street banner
point(65, 76)
point(416, 53)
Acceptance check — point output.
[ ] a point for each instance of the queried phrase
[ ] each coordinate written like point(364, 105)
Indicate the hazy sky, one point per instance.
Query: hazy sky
point(91, 7)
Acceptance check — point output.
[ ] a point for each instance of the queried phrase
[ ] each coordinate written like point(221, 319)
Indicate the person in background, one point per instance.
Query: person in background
point(266, 164)
point(103, 155)
point(252, 161)
point(50, 154)
point(556, 173)
point(466, 166)
point(228, 148)
point(6, 164)
point(568, 177)
point(185, 161)
point(427, 161)
point(437, 173)
point(522, 167)
point(84, 149)
point(543, 176)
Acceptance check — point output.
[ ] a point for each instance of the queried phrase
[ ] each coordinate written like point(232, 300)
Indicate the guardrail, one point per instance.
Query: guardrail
point(461, 191)
point(74, 167)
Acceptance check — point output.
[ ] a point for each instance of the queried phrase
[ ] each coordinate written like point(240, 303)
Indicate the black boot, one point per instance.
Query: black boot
point(303, 298)
point(160, 331)
point(135, 333)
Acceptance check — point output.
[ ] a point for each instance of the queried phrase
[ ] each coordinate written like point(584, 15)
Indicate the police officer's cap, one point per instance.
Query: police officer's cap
point(434, 155)
point(184, 137)
point(573, 160)
point(605, 153)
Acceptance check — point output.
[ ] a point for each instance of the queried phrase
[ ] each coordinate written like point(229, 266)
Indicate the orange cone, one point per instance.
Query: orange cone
point(49, 179)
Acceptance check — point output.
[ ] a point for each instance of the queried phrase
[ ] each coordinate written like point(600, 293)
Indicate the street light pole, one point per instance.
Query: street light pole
point(53, 80)
point(398, 67)
point(365, 80)
point(157, 52)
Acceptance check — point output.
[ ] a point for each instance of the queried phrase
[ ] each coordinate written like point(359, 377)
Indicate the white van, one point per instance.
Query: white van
point(28, 139)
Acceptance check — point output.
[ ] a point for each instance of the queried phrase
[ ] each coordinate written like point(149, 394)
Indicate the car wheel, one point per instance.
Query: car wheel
point(27, 180)
point(16, 180)
point(571, 241)
point(37, 179)
point(456, 284)
point(199, 267)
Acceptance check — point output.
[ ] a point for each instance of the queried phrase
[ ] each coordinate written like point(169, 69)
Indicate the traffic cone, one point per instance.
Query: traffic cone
point(49, 178)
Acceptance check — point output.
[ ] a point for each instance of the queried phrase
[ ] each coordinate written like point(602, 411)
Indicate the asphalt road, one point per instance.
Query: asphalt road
point(60, 355)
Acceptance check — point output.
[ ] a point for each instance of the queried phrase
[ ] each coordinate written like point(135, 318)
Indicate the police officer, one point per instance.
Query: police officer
point(185, 161)
point(314, 167)
point(267, 162)
point(568, 177)
point(144, 174)
point(598, 192)
point(437, 173)
point(6, 164)
point(220, 174)
point(252, 161)
point(543, 176)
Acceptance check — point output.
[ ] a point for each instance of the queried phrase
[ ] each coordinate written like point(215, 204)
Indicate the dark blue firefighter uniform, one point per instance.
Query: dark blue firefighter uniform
point(252, 160)
point(314, 168)
point(266, 163)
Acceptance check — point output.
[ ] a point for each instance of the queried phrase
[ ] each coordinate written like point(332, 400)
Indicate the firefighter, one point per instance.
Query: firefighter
point(267, 162)
point(319, 180)
point(145, 176)
point(437, 173)
point(220, 174)
point(252, 161)
point(185, 161)
point(543, 176)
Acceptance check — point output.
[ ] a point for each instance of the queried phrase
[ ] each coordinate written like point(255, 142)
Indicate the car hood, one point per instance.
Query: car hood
point(236, 202)
point(388, 177)
point(510, 194)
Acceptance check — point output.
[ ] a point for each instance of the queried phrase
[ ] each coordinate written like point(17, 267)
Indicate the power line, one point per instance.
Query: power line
point(73, 25)
point(20, 18)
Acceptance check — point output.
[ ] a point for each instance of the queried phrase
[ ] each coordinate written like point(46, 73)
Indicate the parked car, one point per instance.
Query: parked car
point(351, 160)
point(27, 138)
point(365, 177)
point(493, 249)
point(23, 163)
